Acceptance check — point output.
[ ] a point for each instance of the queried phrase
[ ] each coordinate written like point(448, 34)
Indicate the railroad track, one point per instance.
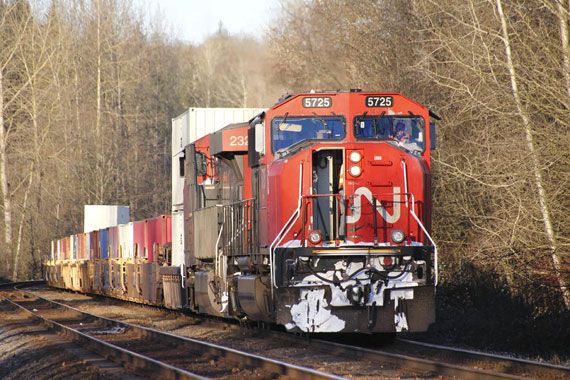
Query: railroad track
point(425, 360)
point(452, 362)
point(507, 364)
point(149, 352)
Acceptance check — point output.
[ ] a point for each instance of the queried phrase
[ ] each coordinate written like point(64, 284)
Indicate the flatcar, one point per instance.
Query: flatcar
point(314, 215)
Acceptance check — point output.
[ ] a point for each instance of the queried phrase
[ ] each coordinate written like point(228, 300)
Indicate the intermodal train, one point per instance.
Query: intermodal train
point(314, 215)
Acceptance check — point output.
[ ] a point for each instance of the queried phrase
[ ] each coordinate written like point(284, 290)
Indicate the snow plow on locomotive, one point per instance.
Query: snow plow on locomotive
point(314, 215)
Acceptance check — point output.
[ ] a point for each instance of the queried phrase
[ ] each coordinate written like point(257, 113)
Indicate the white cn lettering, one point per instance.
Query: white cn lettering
point(357, 209)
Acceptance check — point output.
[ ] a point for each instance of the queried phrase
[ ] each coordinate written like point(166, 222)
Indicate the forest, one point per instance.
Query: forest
point(88, 89)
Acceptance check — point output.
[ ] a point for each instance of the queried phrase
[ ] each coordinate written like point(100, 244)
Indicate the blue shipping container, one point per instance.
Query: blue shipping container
point(74, 247)
point(103, 244)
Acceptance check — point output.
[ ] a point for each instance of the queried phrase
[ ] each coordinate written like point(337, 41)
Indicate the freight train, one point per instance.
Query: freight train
point(314, 215)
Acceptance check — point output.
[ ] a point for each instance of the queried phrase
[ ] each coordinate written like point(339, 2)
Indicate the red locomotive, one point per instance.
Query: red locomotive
point(314, 215)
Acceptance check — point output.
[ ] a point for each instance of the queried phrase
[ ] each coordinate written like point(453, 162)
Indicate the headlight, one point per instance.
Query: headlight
point(398, 236)
point(315, 237)
point(355, 157)
point(355, 170)
point(387, 261)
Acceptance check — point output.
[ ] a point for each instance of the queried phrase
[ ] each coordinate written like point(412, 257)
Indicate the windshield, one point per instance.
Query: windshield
point(407, 132)
point(290, 130)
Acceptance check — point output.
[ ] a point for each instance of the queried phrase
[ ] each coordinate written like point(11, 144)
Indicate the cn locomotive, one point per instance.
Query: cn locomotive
point(314, 215)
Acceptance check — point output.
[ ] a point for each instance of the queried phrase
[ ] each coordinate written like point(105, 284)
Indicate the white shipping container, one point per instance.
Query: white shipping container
point(98, 217)
point(126, 242)
point(178, 257)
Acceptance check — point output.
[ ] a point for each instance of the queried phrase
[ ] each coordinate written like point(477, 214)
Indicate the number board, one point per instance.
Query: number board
point(317, 102)
point(235, 140)
point(379, 101)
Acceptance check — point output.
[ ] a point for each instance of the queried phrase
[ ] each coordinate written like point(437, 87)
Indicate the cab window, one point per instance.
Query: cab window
point(404, 131)
point(291, 130)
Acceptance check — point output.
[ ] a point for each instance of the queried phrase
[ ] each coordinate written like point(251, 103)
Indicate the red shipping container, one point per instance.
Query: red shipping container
point(94, 252)
point(168, 237)
point(65, 247)
point(81, 254)
point(158, 231)
point(113, 238)
point(150, 238)
point(138, 239)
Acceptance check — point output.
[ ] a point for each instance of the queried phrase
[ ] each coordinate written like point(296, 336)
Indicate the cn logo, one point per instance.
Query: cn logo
point(357, 210)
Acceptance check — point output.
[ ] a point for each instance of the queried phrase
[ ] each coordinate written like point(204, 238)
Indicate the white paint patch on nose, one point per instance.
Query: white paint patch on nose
point(310, 314)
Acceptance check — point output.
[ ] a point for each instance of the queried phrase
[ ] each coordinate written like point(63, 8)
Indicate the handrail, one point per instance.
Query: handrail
point(239, 219)
point(436, 272)
point(339, 198)
point(217, 257)
point(375, 203)
point(413, 213)
point(285, 229)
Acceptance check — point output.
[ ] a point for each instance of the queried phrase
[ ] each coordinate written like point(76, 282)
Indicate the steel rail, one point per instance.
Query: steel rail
point(475, 355)
point(409, 361)
point(22, 283)
point(243, 359)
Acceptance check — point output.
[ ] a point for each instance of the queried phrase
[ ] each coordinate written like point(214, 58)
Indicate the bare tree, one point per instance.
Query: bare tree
point(522, 113)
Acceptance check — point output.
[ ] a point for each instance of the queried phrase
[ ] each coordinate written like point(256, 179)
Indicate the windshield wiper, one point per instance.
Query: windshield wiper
point(291, 148)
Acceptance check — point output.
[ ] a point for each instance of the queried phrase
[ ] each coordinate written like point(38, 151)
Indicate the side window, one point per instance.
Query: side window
point(181, 160)
point(432, 136)
point(201, 164)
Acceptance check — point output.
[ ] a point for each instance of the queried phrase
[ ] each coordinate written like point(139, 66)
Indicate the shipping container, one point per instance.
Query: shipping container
point(56, 250)
point(94, 253)
point(113, 237)
point(97, 217)
point(126, 240)
point(73, 247)
point(138, 239)
point(178, 257)
point(87, 252)
point(65, 248)
point(103, 244)
point(81, 254)
point(158, 231)
point(168, 237)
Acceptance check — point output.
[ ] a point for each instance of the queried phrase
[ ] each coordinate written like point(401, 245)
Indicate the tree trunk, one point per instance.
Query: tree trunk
point(522, 112)
point(565, 44)
point(100, 161)
point(21, 224)
point(4, 181)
